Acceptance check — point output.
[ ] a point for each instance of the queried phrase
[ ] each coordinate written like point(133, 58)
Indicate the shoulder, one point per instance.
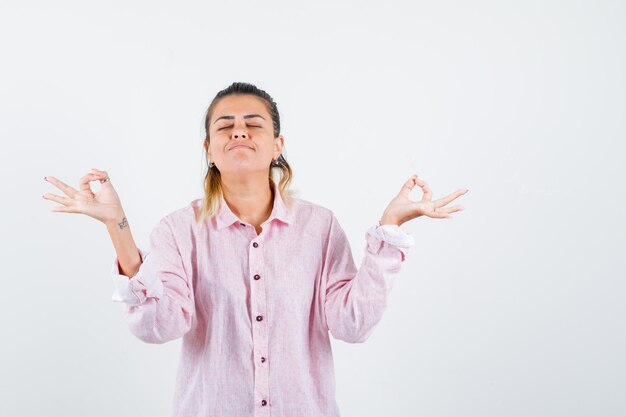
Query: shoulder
point(306, 208)
point(180, 220)
point(312, 217)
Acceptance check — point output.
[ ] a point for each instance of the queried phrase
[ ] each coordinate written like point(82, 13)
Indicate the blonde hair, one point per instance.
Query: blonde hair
point(212, 180)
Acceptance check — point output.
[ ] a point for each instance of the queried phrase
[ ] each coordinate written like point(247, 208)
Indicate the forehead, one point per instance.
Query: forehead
point(238, 105)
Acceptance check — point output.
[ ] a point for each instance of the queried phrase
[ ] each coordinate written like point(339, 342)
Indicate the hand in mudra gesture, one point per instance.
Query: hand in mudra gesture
point(103, 205)
point(402, 208)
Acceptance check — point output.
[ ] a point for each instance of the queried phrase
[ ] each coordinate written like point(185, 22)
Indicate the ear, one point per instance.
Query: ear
point(278, 145)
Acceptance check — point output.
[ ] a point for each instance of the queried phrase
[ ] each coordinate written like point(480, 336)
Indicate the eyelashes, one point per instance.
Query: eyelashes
point(228, 127)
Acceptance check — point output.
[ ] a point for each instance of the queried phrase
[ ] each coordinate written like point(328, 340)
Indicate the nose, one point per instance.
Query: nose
point(238, 135)
point(239, 132)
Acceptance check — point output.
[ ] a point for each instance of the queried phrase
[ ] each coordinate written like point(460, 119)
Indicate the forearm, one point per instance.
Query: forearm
point(159, 297)
point(127, 252)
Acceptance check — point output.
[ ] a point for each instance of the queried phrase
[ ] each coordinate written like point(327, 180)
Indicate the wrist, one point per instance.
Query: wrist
point(118, 222)
point(386, 220)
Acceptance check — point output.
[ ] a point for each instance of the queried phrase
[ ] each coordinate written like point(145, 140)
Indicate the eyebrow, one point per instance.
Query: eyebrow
point(247, 116)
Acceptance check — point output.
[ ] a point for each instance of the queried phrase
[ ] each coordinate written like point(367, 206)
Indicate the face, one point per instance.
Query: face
point(242, 136)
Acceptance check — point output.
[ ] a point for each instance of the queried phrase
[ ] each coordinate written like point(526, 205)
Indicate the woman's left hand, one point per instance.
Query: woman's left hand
point(402, 208)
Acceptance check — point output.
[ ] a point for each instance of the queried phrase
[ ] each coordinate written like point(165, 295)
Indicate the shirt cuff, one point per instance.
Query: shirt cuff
point(392, 234)
point(134, 290)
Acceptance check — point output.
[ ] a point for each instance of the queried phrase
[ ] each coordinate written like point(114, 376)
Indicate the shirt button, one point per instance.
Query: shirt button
point(259, 318)
point(255, 244)
point(262, 359)
point(257, 276)
point(263, 402)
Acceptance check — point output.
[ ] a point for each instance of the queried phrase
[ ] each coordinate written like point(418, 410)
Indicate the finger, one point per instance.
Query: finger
point(57, 198)
point(99, 172)
point(69, 191)
point(425, 189)
point(438, 215)
point(100, 176)
point(85, 180)
point(408, 186)
point(453, 209)
point(447, 199)
point(64, 209)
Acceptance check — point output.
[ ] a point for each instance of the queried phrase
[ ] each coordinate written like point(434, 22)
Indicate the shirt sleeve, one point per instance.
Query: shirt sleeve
point(355, 299)
point(159, 301)
point(134, 291)
point(393, 235)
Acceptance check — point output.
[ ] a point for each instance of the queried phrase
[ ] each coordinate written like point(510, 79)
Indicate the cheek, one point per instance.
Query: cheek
point(218, 142)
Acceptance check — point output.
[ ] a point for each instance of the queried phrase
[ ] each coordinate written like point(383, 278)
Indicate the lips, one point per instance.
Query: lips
point(240, 146)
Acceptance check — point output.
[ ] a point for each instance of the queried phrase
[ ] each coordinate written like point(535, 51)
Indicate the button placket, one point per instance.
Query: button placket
point(259, 331)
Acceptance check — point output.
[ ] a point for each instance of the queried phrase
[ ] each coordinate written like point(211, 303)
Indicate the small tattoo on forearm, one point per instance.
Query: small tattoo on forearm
point(123, 223)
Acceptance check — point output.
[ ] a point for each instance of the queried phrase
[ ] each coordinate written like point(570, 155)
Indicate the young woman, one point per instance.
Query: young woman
point(251, 277)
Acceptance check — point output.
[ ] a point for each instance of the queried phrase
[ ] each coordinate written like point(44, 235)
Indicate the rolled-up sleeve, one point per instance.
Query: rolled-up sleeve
point(142, 285)
point(355, 299)
point(159, 300)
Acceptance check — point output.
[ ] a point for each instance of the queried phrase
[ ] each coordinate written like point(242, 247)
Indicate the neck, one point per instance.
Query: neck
point(251, 199)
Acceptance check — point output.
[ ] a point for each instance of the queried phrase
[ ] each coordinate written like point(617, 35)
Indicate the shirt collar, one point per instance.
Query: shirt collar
point(225, 216)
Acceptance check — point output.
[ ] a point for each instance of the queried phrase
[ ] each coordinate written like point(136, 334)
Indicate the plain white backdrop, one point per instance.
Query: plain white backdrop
point(514, 307)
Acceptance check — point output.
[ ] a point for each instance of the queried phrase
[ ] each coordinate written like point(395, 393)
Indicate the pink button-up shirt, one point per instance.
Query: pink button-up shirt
point(255, 311)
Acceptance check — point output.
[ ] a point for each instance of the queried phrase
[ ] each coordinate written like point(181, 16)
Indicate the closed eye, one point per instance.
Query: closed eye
point(227, 127)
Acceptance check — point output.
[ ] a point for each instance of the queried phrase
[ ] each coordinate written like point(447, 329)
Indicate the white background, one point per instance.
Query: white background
point(514, 307)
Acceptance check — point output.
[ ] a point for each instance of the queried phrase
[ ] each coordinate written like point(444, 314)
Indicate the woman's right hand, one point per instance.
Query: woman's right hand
point(104, 205)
